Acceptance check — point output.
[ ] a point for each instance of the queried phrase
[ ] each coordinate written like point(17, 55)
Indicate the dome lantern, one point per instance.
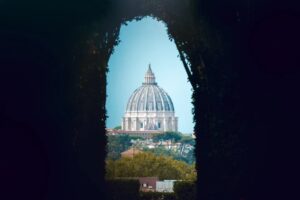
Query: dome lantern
point(149, 77)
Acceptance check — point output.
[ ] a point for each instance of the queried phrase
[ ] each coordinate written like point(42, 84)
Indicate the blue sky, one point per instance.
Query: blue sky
point(143, 42)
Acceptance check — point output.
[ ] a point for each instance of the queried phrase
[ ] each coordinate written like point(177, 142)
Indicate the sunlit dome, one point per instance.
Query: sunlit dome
point(149, 96)
point(149, 108)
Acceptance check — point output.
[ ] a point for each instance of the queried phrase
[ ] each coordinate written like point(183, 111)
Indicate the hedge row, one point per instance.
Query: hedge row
point(185, 190)
point(121, 189)
point(157, 196)
point(118, 189)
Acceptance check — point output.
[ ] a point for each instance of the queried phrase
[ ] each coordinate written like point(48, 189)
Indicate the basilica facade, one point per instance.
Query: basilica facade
point(149, 109)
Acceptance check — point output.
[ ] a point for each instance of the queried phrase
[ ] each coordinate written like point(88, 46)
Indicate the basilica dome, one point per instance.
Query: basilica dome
point(149, 97)
point(149, 108)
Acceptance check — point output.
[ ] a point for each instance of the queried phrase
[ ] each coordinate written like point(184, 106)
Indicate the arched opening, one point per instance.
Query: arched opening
point(150, 121)
point(199, 46)
point(93, 54)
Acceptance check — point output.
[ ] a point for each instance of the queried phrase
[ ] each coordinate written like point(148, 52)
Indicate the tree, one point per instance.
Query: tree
point(178, 154)
point(189, 158)
point(118, 128)
point(174, 136)
point(116, 144)
point(147, 164)
point(185, 190)
point(187, 139)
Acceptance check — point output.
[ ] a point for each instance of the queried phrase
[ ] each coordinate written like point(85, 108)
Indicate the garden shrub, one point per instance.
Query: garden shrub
point(185, 190)
point(157, 196)
point(120, 189)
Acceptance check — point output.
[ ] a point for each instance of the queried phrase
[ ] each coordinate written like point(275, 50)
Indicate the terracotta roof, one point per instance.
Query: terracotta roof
point(131, 152)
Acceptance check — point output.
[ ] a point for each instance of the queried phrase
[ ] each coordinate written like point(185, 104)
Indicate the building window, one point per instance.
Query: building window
point(158, 124)
point(141, 125)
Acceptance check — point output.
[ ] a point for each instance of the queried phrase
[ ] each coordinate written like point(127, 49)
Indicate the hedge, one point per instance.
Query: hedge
point(121, 189)
point(185, 190)
point(157, 196)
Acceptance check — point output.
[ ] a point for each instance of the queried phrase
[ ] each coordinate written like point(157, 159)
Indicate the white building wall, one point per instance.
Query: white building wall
point(165, 186)
point(132, 121)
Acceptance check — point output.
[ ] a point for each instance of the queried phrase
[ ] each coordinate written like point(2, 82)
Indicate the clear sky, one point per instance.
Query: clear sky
point(143, 42)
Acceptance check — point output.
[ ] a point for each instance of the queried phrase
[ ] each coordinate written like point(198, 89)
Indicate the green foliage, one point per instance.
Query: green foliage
point(116, 144)
point(161, 151)
point(157, 196)
point(187, 139)
point(147, 164)
point(189, 158)
point(185, 190)
point(174, 136)
point(122, 189)
point(117, 127)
